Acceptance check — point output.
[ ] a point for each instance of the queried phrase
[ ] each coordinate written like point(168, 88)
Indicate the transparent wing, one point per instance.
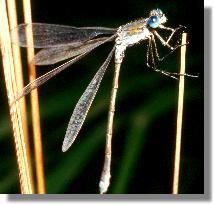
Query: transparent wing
point(42, 79)
point(53, 55)
point(84, 104)
point(51, 35)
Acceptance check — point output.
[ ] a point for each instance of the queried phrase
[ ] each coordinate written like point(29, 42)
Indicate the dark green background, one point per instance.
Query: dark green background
point(146, 107)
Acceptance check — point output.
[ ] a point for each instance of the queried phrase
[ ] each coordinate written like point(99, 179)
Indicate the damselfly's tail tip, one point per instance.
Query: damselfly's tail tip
point(64, 148)
point(103, 187)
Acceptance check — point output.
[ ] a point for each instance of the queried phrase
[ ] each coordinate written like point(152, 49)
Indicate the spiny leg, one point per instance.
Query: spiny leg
point(166, 42)
point(154, 49)
point(172, 48)
point(150, 52)
point(161, 59)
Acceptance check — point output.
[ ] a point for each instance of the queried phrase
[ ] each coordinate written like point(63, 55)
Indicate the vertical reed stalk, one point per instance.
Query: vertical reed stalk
point(34, 106)
point(179, 117)
point(12, 15)
point(9, 74)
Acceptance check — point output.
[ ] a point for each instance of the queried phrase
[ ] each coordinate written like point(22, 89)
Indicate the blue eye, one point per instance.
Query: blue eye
point(153, 21)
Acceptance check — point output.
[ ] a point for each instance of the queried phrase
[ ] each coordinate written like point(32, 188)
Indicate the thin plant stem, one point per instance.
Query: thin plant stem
point(9, 74)
point(179, 117)
point(106, 173)
point(34, 106)
point(12, 15)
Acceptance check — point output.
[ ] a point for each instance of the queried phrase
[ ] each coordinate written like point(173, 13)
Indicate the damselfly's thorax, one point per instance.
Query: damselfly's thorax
point(140, 29)
point(137, 31)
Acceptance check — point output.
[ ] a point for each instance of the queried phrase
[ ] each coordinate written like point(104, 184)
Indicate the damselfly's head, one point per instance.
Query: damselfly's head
point(156, 17)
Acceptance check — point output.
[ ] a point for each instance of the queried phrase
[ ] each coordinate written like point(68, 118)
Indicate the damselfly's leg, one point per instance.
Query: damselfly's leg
point(155, 58)
point(166, 42)
point(150, 52)
point(161, 59)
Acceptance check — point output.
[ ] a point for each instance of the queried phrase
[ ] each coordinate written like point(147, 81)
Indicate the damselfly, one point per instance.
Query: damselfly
point(66, 42)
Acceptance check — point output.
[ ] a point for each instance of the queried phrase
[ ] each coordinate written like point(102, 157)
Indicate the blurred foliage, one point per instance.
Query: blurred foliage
point(146, 107)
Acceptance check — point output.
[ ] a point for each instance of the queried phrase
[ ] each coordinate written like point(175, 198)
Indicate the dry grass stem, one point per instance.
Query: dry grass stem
point(35, 106)
point(10, 81)
point(12, 15)
point(179, 117)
